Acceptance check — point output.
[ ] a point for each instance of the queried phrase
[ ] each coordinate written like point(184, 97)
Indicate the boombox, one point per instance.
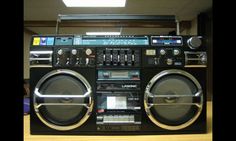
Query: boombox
point(127, 84)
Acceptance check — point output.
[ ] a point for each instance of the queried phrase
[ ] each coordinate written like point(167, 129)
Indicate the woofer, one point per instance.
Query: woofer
point(63, 99)
point(173, 99)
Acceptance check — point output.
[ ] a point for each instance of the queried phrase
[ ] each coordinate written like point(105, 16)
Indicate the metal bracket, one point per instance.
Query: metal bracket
point(177, 27)
point(57, 25)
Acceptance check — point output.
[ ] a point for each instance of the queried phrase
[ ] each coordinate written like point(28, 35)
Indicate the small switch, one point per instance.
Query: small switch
point(87, 61)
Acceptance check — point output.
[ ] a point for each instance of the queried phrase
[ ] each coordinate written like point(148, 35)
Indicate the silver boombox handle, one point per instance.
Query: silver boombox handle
point(118, 17)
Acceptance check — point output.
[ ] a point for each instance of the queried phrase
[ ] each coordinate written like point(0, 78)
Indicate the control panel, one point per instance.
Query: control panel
point(74, 57)
point(118, 57)
point(118, 51)
point(163, 57)
point(175, 51)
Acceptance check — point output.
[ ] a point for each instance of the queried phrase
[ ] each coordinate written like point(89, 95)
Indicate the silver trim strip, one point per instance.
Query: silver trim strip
point(41, 52)
point(195, 66)
point(194, 59)
point(88, 105)
point(36, 92)
point(118, 121)
point(195, 95)
point(40, 66)
point(32, 59)
point(167, 104)
point(64, 104)
point(148, 94)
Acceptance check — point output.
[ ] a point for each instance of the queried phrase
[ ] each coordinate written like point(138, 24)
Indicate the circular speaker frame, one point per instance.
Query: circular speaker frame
point(148, 105)
point(88, 94)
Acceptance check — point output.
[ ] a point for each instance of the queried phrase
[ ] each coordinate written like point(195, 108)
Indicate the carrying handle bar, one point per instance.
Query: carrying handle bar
point(115, 17)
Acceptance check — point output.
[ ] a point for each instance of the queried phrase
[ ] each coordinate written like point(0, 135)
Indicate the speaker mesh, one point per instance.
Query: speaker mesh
point(66, 114)
point(173, 85)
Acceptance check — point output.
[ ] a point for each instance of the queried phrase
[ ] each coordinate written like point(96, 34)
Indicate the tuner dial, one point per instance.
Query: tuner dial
point(162, 52)
point(74, 51)
point(194, 42)
point(60, 52)
point(88, 51)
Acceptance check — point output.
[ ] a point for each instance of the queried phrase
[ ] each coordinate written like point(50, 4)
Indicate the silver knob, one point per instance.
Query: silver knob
point(162, 52)
point(176, 52)
point(74, 51)
point(194, 42)
point(169, 61)
point(59, 52)
point(88, 51)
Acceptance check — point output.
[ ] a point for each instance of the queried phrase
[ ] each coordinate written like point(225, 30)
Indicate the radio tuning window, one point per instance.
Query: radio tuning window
point(166, 40)
point(119, 74)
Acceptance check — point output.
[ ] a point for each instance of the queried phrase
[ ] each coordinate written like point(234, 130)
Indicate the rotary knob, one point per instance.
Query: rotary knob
point(176, 52)
point(60, 52)
point(194, 42)
point(169, 61)
point(73, 51)
point(162, 52)
point(88, 51)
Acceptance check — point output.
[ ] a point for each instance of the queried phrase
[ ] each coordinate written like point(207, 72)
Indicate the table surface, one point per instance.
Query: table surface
point(182, 137)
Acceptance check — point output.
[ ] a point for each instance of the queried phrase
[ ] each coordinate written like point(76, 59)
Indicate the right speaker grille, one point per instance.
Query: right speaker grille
point(173, 99)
